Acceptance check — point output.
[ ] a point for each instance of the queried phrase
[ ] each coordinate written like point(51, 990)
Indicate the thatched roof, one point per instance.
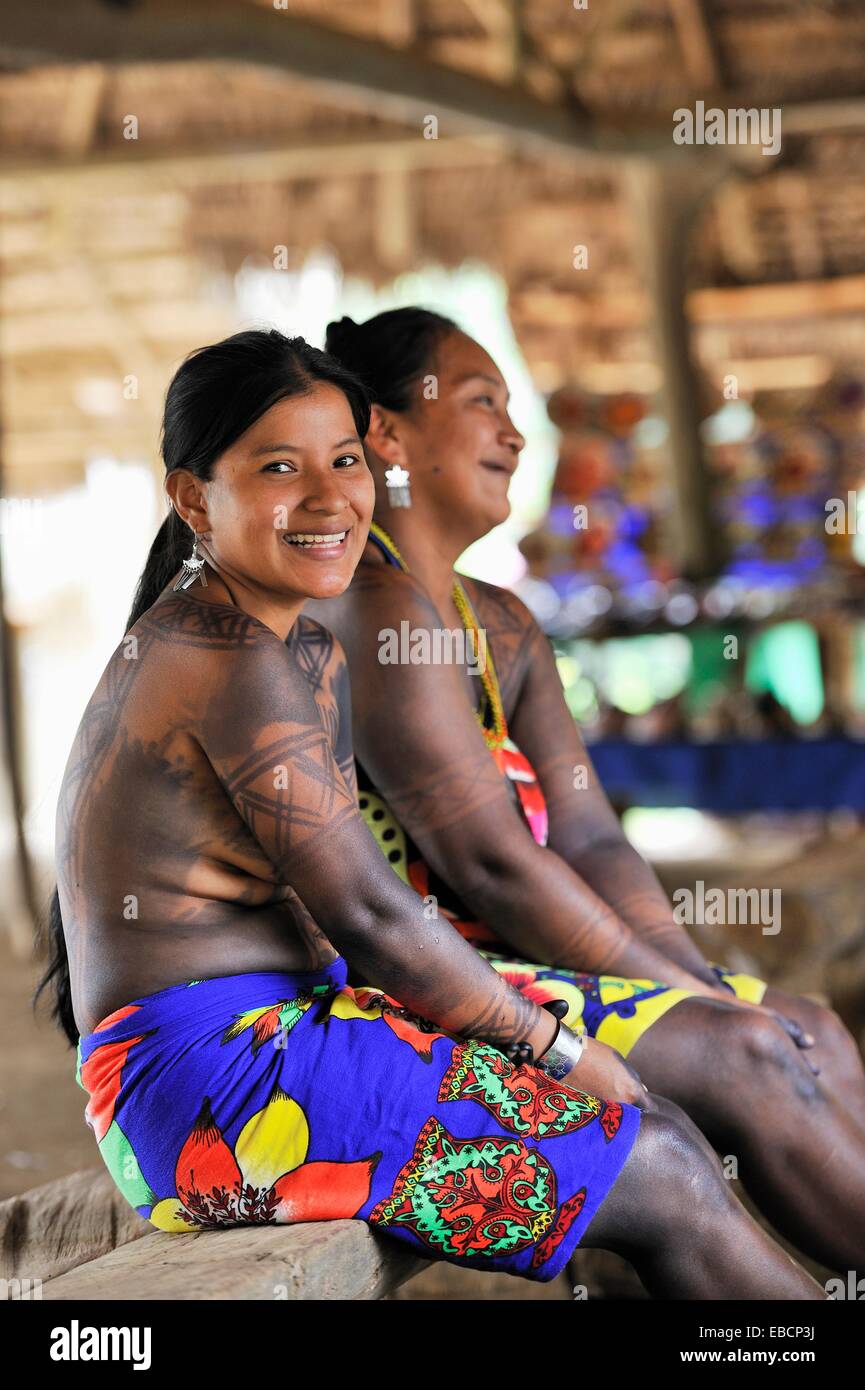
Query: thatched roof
point(115, 251)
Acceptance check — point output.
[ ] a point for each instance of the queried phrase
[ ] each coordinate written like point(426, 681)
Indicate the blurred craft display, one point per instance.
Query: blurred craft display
point(790, 594)
point(783, 465)
point(775, 485)
point(602, 539)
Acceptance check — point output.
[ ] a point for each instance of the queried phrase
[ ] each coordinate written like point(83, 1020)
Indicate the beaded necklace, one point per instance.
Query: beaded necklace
point(491, 715)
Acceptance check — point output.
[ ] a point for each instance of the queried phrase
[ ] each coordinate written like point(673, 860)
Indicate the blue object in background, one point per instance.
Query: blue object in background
point(735, 777)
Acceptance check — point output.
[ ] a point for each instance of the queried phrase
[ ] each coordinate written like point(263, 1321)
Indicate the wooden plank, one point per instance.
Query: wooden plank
point(81, 111)
point(316, 1260)
point(698, 46)
point(796, 300)
point(176, 324)
point(119, 170)
point(53, 1228)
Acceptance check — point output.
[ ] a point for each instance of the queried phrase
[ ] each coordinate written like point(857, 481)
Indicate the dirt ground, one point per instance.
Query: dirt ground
point(42, 1130)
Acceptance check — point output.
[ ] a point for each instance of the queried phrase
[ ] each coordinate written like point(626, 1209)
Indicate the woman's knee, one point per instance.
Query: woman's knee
point(668, 1172)
point(763, 1054)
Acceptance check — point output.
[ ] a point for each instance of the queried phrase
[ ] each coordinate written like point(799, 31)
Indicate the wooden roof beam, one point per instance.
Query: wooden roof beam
point(347, 68)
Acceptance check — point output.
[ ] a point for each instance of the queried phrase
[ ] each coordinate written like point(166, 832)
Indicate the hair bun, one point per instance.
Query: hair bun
point(339, 333)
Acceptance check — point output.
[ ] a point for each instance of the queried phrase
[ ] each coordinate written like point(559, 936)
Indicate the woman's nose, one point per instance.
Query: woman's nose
point(512, 437)
point(326, 495)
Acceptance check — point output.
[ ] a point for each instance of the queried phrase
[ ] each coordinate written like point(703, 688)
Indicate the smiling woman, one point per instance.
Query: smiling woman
point(269, 373)
point(239, 496)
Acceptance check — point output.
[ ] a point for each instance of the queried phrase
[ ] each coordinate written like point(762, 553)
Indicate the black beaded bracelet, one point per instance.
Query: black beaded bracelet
point(522, 1053)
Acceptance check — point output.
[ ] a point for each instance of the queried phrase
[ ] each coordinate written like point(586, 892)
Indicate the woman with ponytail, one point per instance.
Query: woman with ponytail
point(216, 877)
point(472, 776)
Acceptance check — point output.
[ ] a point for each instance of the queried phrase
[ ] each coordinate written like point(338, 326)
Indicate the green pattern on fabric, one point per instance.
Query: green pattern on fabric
point(122, 1164)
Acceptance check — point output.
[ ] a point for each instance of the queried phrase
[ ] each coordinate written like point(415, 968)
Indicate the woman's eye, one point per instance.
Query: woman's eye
point(344, 460)
point(280, 466)
point(487, 400)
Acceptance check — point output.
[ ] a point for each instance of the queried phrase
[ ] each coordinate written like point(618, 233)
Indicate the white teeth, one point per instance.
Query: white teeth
point(312, 538)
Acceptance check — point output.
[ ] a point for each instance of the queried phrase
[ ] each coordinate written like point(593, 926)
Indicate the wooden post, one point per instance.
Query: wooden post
point(19, 891)
point(664, 200)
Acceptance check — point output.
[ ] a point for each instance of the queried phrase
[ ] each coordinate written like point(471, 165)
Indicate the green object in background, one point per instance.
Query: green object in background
point(785, 660)
point(710, 668)
point(859, 666)
point(632, 673)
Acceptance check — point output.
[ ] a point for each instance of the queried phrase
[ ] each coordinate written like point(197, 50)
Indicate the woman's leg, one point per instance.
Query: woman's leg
point(674, 1217)
point(835, 1052)
point(801, 1154)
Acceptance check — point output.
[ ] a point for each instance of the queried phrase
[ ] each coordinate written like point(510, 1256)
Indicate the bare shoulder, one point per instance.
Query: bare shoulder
point(505, 617)
point(319, 654)
point(202, 651)
point(512, 632)
point(185, 623)
point(388, 592)
point(502, 606)
point(379, 596)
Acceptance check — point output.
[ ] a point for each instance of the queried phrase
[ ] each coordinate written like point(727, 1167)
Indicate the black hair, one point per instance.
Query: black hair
point(391, 352)
point(215, 396)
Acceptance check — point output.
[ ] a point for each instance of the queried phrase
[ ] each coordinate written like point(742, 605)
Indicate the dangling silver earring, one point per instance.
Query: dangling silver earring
point(398, 486)
point(192, 568)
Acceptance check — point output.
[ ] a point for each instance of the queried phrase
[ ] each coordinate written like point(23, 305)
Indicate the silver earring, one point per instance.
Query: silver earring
point(398, 486)
point(192, 568)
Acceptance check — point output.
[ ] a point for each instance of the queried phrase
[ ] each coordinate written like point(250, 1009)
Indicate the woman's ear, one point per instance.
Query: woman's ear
point(187, 499)
point(384, 436)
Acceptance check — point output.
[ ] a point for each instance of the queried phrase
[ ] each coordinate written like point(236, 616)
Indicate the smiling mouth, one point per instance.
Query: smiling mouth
point(496, 467)
point(311, 540)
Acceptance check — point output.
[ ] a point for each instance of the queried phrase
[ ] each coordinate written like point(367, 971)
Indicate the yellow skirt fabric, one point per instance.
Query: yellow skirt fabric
point(607, 1007)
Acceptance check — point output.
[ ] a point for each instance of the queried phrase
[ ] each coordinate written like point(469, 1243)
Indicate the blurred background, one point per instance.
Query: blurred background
point(682, 327)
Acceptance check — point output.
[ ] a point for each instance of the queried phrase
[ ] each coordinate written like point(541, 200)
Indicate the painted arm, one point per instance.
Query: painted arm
point(584, 829)
point(417, 737)
point(260, 728)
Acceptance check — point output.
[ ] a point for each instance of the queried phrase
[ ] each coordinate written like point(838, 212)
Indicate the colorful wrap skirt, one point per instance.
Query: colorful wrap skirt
point(278, 1098)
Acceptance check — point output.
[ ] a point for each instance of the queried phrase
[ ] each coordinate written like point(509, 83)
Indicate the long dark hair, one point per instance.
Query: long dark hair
point(216, 395)
point(391, 352)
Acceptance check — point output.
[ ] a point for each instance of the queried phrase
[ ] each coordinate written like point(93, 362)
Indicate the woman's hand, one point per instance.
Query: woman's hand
point(598, 1069)
point(795, 1032)
point(601, 1071)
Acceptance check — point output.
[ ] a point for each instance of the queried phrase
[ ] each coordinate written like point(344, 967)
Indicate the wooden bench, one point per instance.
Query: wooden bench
point(83, 1241)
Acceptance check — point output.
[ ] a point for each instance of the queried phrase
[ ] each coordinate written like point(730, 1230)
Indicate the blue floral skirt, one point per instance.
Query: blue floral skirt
point(277, 1098)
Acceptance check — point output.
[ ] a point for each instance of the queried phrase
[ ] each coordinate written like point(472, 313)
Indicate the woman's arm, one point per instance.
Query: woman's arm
point(417, 737)
point(260, 728)
point(584, 829)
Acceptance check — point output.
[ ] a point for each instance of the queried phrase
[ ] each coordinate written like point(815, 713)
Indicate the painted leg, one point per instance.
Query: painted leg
point(835, 1050)
point(801, 1156)
point(673, 1216)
